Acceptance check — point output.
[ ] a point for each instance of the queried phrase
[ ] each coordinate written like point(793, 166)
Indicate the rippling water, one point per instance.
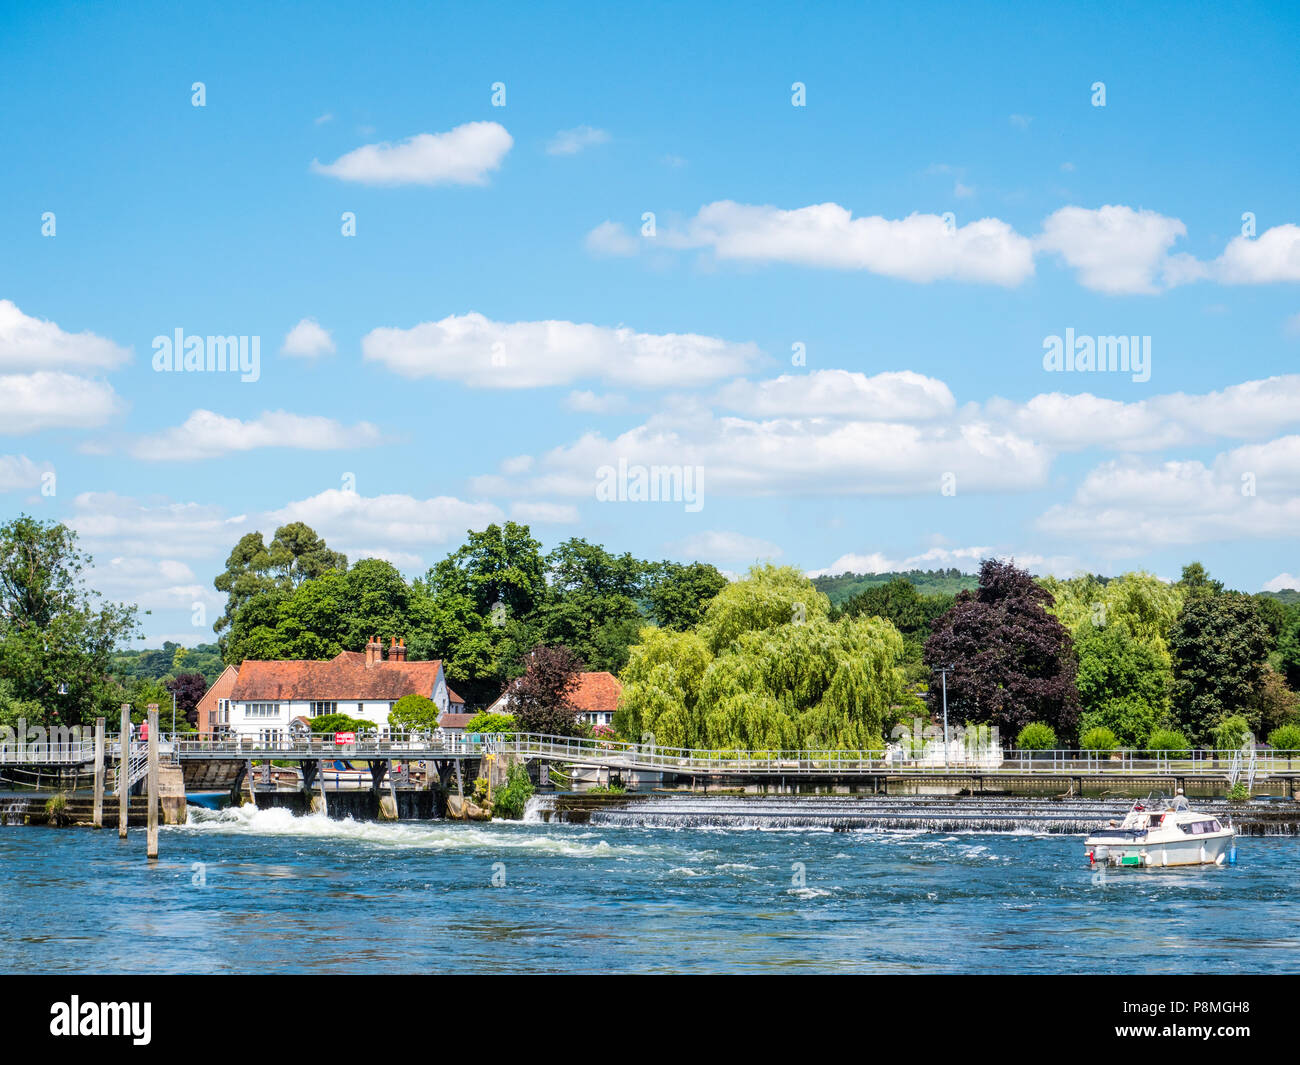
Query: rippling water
point(241, 891)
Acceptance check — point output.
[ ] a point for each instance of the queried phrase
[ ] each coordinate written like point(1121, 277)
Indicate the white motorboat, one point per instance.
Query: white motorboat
point(1159, 832)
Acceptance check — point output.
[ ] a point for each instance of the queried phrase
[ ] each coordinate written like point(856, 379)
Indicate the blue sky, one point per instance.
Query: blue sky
point(775, 225)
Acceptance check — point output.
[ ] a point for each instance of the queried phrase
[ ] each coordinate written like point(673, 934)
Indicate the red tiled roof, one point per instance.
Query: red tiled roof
point(596, 693)
point(344, 677)
point(455, 720)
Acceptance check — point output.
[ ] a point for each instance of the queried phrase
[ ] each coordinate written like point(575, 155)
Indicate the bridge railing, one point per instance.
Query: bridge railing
point(403, 746)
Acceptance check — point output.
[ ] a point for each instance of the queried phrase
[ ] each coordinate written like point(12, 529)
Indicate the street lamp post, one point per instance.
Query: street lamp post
point(943, 674)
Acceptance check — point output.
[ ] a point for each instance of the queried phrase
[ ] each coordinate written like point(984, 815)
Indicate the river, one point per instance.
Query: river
point(246, 891)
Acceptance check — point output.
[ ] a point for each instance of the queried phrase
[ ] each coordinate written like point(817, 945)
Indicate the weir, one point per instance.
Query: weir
point(869, 813)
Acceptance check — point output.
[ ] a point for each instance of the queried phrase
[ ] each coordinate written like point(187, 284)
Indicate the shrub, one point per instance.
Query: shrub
point(340, 723)
point(1036, 737)
point(1285, 738)
point(56, 811)
point(493, 723)
point(1231, 733)
point(1167, 741)
point(607, 789)
point(510, 801)
point(1239, 792)
point(479, 797)
point(1099, 740)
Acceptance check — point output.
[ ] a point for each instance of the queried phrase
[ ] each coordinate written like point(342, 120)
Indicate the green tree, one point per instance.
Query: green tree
point(1123, 684)
point(766, 669)
point(57, 637)
point(254, 572)
point(414, 712)
point(768, 597)
point(592, 602)
point(1219, 645)
point(479, 606)
point(678, 595)
point(1196, 581)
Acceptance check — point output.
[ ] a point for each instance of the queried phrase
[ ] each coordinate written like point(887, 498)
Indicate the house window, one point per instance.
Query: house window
point(262, 710)
point(321, 709)
point(223, 709)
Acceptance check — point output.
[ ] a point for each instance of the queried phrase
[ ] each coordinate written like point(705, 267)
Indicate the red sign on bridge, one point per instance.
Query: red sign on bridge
point(340, 738)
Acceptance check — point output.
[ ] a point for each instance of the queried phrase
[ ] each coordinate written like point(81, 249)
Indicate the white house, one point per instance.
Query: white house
point(594, 698)
point(267, 696)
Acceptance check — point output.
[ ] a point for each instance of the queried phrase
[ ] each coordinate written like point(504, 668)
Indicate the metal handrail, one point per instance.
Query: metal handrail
point(412, 746)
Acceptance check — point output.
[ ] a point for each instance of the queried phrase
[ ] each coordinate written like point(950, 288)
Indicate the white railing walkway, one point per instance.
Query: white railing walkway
point(406, 747)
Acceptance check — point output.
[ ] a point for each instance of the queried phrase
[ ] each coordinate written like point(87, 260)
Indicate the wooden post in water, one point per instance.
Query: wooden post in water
point(123, 767)
point(98, 819)
point(152, 850)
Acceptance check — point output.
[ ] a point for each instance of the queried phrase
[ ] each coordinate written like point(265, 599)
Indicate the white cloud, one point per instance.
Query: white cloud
point(1281, 583)
point(482, 353)
point(390, 521)
point(1132, 507)
point(1272, 256)
point(208, 435)
point(308, 339)
point(19, 473)
point(544, 513)
point(50, 400)
point(1251, 409)
point(610, 238)
point(572, 141)
point(462, 156)
point(919, 248)
point(587, 402)
point(1117, 249)
point(154, 584)
point(966, 559)
point(715, 545)
point(890, 396)
point(33, 344)
point(1021, 121)
point(114, 525)
point(796, 456)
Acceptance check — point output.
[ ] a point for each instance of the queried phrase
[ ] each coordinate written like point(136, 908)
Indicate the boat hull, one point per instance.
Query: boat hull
point(1210, 849)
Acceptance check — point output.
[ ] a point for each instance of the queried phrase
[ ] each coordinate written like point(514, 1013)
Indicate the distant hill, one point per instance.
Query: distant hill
point(158, 664)
point(1287, 597)
point(926, 581)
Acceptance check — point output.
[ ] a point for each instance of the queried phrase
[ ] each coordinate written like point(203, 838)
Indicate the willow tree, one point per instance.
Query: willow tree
point(661, 688)
point(766, 669)
point(1140, 604)
point(768, 597)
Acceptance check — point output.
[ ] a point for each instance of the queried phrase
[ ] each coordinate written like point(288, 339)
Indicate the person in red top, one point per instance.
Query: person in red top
point(144, 730)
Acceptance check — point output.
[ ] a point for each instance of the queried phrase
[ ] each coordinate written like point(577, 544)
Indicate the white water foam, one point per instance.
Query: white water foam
point(424, 835)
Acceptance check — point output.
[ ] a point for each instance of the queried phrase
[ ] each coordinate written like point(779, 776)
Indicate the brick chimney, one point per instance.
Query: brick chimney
point(374, 651)
point(398, 653)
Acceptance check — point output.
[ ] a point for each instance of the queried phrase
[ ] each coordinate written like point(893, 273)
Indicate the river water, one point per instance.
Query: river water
point(244, 891)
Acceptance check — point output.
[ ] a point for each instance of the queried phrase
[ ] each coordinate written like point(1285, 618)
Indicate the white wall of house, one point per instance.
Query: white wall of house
point(263, 719)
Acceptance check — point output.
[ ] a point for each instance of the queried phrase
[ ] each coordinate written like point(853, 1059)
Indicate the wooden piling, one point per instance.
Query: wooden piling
point(153, 781)
point(123, 768)
point(98, 818)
